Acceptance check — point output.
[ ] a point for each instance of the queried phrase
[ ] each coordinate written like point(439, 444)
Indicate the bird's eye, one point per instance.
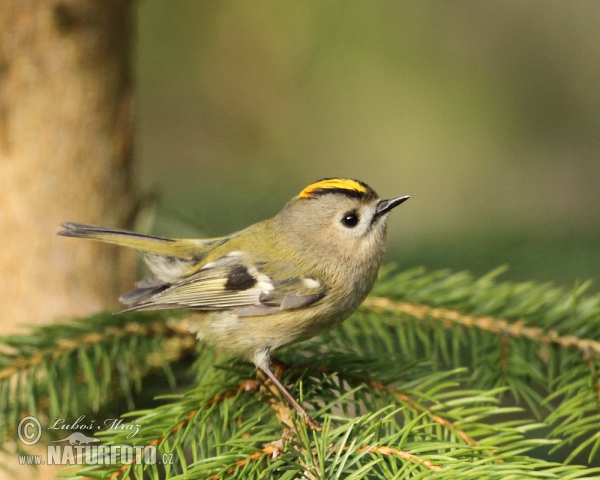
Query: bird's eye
point(350, 220)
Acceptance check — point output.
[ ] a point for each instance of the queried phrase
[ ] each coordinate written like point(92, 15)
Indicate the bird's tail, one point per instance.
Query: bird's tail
point(139, 241)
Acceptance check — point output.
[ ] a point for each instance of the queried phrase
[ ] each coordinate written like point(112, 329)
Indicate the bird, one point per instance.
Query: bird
point(277, 282)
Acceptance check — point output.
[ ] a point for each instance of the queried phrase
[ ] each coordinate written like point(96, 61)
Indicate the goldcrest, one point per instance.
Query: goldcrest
point(277, 282)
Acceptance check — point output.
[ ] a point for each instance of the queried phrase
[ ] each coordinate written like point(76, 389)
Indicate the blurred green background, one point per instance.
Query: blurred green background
point(487, 113)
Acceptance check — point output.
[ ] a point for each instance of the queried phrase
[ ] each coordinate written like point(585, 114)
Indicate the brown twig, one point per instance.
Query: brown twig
point(410, 457)
point(515, 329)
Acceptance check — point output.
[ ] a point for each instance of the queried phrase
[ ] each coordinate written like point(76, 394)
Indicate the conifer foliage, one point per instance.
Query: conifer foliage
point(438, 375)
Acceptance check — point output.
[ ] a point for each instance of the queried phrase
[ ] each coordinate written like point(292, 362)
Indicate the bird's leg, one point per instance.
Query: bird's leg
point(311, 423)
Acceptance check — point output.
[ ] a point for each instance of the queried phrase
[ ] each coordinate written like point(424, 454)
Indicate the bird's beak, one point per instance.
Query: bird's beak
point(384, 206)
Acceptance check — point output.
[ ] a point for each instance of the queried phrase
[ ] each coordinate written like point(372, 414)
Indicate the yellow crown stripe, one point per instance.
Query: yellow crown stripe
point(333, 183)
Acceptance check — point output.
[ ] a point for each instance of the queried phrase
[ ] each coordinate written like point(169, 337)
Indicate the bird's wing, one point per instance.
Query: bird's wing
point(234, 281)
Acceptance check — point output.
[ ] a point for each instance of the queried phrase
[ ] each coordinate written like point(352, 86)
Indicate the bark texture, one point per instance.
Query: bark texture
point(66, 122)
point(66, 125)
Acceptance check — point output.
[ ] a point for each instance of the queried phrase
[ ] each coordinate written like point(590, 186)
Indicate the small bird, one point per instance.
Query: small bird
point(277, 282)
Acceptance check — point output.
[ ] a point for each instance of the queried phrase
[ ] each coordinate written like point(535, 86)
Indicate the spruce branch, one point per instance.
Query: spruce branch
point(67, 369)
point(254, 444)
point(415, 384)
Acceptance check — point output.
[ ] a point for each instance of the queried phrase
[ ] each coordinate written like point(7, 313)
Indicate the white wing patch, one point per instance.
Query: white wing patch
point(310, 283)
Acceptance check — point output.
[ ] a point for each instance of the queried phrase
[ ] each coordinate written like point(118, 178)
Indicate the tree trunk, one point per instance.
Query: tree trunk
point(65, 154)
point(66, 125)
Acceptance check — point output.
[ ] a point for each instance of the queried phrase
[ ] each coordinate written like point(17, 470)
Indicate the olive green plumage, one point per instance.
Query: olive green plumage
point(276, 282)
